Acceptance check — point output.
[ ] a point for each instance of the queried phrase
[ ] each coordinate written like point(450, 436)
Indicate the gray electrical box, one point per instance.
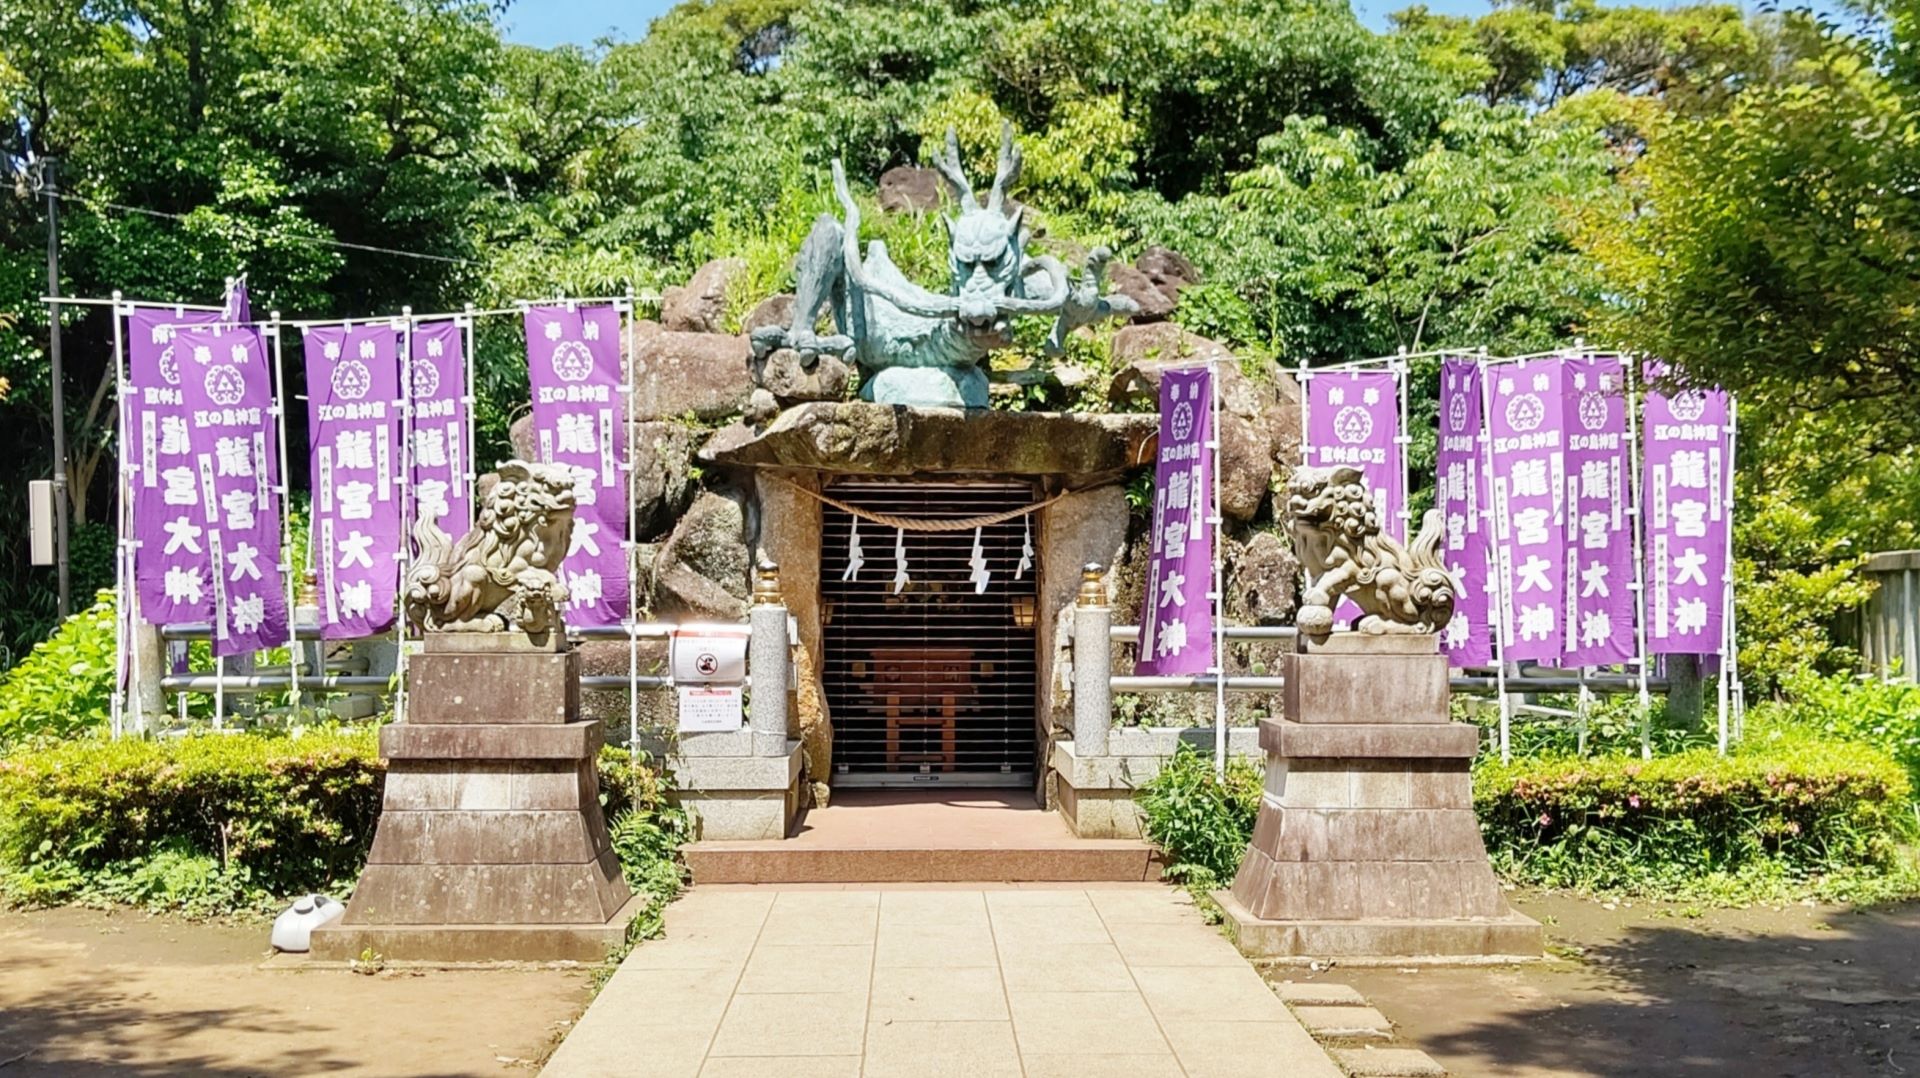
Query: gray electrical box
point(40, 520)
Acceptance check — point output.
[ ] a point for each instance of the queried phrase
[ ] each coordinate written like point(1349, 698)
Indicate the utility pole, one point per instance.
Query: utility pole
point(61, 499)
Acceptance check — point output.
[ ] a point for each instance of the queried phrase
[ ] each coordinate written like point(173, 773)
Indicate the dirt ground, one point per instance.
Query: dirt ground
point(1646, 990)
point(85, 992)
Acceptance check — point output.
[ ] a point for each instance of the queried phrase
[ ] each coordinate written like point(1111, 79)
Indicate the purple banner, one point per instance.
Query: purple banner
point(1529, 487)
point(353, 424)
point(437, 381)
point(1176, 628)
point(1460, 495)
point(1688, 485)
point(1353, 418)
point(1599, 564)
point(579, 419)
point(231, 512)
point(170, 561)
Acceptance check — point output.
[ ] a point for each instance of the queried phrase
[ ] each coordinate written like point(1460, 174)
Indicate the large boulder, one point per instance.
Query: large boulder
point(1263, 580)
point(520, 434)
point(1246, 468)
point(702, 572)
point(700, 306)
point(772, 311)
point(1168, 270)
point(705, 375)
point(790, 381)
point(1272, 406)
point(907, 189)
point(1155, 305)
point(663, 483)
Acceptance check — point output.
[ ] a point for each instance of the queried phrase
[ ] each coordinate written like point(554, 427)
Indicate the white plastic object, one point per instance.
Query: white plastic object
point(293, 929)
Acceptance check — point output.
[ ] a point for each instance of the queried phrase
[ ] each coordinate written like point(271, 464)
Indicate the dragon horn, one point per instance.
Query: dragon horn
point(949, 166)
point(1006, 170)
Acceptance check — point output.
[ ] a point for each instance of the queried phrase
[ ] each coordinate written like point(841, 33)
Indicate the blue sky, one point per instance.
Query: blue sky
point(561, 22)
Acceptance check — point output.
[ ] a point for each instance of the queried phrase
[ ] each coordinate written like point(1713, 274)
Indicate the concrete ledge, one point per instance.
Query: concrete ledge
point(495, 688)
point(1292, 740)
point(1075, 861)
point(740, 797)
point(566, 741)
point(711, 774)
point(1514, 937)
point(463, 944)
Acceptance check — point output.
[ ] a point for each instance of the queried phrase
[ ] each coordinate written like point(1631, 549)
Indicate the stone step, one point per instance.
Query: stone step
point(784, 861)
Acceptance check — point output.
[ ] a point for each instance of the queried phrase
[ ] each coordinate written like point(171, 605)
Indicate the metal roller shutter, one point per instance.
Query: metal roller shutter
point(933, 684)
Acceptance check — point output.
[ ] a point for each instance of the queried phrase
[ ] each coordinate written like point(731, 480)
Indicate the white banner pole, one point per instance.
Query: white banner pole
point(1632, 402)
point(282, 489)
point(408, 508)
point(126, 667)
point(1219, 590)
point(629, 547)
point(1499, 618)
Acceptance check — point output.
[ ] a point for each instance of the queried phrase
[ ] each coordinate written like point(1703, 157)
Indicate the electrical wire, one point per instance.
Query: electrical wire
point(315, 241)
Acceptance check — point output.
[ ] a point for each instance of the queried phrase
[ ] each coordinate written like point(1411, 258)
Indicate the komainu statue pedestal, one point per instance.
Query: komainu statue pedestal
point(491, 845)
point(1366, 844)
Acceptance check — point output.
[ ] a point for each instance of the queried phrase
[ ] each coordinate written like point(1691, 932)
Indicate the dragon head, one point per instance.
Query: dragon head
point(986, 244)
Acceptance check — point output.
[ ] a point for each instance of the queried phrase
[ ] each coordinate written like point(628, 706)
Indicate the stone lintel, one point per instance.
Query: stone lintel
point(495, 687)
point(860, 438)
point(745, 741)
point(1509, 937)
point(414, 741)
point(1355, 687)
point(1288, 740)
point(457, 944)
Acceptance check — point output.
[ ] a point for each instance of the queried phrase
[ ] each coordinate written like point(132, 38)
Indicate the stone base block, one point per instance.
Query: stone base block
point(1094, 794)
point(435, 944)
point(735, 798)
point(1098, 813)
point(495, 688)
point(1512, 936)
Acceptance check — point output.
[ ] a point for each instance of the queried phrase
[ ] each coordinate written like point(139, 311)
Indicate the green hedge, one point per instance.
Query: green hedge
point(208, 822)
point(214, 823)
point(1790, 811)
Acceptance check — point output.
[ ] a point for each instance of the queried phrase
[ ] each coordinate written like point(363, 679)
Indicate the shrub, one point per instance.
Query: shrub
point(1781, 815)
point(64, 687)
point(1883, 714)
point(206, 823)
point(1202, 821)
point(215, 823)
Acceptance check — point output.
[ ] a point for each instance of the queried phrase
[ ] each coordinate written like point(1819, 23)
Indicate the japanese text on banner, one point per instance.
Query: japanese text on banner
point(1688, 485)
point(1176, 627)
point(579, 419)
point(354, 434)
point(170, 562)
point(1527, 480)
point(442, 456)
point(228, 397)
point(1460, 495)
point(1599, 532)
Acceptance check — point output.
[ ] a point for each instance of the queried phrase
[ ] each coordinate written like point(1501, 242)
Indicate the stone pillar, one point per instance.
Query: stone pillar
point(491, 845)
point(1092, 665)
point(769, 660)
point(1366, 843)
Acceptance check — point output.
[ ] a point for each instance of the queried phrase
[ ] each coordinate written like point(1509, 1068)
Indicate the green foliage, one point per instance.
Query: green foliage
point(1864, 711)
point(1788, 815)
point(205, 823)
point(647, 831)
point(1201, 821)
point(64, 688)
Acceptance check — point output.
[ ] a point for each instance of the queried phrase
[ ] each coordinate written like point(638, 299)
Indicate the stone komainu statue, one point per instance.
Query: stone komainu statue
point(1336, 532)
point(501, 575)
point(918, 347)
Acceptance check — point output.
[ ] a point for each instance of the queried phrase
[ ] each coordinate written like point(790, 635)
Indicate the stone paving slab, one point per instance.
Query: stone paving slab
point(967, 981)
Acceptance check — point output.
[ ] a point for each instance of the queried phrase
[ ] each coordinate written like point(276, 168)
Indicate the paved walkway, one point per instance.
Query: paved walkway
point(1031, 981)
